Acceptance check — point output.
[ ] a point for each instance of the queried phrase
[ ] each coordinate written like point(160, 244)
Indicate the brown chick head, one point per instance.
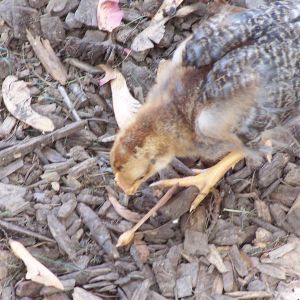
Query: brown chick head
point(138, 152)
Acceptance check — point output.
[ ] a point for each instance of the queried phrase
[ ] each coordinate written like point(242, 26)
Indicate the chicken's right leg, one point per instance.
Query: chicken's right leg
point(207, 179)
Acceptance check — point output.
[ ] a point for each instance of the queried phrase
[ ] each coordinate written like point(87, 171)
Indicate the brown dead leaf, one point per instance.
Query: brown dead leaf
point(35, 270)
point(48, 58)
point(156, 29)
point(16, 97)
point(124, 104)
point(109, 15)
point(123, 211)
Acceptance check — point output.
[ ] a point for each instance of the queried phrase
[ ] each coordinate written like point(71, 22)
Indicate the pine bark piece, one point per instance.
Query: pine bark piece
point(293, 216)
point(279, 252)
point(272, 171)
point(12, 198)
point(272, 271)
point(59, 233)
point(180, 203)
point(83, 167)
point(195, 243)
point(237, 261)
point(228, 279)
point(215, 258)
point(98, 230)
point(142, 292)
point(184, 287)
point(250, 295)
point(48, 58)
point(263, 210)
point(165, 276)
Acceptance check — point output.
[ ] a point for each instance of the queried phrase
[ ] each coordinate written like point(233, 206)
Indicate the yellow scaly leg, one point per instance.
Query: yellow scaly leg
point(207, 179)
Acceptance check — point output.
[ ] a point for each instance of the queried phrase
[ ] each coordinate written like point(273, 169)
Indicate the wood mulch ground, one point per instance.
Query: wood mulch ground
point(57, 192)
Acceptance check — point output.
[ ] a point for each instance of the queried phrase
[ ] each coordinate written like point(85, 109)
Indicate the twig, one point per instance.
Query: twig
point(128, 236)
point(216, 211)
point(68, 103)
point(265, 225)
point(10, 154)
point(83, 66)
point(12, 227)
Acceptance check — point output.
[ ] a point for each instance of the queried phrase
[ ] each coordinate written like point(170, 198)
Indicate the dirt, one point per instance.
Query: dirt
point(241, 243)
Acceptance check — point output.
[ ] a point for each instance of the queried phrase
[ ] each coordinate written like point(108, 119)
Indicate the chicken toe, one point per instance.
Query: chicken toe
point(206, 180)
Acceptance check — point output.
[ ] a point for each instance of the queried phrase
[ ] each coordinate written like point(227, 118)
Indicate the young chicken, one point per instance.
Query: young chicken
point(228, 87)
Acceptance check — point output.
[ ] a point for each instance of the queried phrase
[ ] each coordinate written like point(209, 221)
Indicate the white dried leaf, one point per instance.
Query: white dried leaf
point(35, 270)
point(16, 97)
point(124, 104)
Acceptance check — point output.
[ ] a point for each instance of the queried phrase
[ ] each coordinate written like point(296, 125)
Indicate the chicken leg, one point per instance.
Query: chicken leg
point(207, 178)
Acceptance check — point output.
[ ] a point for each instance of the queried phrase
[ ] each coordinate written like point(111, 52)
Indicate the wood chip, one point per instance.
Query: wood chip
point(237, 261)
point(59, 233)
point(12, 198)
point(272, 271)
point(228, 279)
point(281, 250)
point(262, 210)
point(98, 230)
point(195, 243)
point(250, 295)
point(215, 258)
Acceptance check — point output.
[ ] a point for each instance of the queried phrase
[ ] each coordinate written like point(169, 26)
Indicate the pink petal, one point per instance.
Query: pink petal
point(107, 78)
point(109, 15)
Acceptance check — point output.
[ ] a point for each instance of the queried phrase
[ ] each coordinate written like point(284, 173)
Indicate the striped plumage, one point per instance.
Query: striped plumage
point(261, 45)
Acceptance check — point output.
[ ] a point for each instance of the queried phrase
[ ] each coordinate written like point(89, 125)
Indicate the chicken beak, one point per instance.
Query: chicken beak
point(129, 190)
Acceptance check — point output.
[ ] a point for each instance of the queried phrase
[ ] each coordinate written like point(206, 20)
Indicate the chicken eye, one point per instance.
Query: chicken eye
point(153, 161)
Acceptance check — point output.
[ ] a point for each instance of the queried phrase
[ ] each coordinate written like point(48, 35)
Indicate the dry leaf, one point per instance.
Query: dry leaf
point(16, 97)
point(123, 211)
point(156, 29)
point(109, 15)
point(124, 104)
point(48, 58)
point(35, 270)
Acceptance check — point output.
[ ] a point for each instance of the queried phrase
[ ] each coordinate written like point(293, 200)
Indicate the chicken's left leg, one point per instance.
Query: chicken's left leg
point(207, 179)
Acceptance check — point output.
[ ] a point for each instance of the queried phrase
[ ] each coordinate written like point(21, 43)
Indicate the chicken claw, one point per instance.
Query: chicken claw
point(206, 180)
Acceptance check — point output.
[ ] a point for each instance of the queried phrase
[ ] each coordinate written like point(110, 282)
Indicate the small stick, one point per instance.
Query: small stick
point(12, 227)
point(128, 236)
point(68, 103)
point(19, 150)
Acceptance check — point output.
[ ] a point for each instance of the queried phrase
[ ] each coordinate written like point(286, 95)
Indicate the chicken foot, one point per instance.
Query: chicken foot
point(207, 178)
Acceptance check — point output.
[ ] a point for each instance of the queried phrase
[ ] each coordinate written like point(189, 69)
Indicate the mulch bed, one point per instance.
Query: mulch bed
point(242, 242)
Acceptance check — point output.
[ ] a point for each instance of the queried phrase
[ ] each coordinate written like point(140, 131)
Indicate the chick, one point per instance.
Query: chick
point(228, 87)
